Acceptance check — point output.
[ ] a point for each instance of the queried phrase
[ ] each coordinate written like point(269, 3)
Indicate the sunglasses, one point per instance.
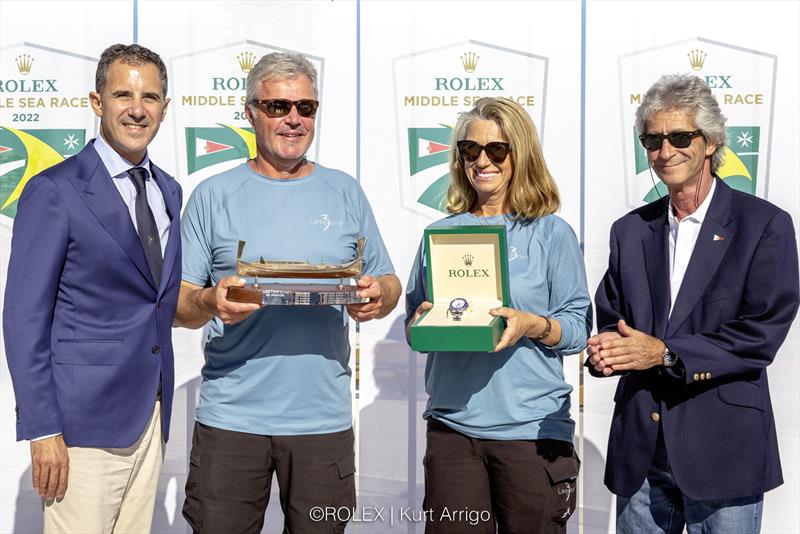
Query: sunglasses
point(676, 139)
point(280, 107)
point(495, 151)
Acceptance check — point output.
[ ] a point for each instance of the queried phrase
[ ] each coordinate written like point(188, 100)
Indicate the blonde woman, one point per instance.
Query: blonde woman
point(499, 450)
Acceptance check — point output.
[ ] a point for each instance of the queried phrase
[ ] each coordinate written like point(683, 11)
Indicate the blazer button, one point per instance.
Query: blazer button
point(156, 349)
point(696, 376)
point(655, 416)
point(708, 376)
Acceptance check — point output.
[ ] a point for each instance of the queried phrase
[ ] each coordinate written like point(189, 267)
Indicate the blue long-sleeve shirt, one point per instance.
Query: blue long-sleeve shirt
point(519, 392)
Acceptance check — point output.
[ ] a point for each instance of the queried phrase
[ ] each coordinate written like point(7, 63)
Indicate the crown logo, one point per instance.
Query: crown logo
point(246, 61)
point(470, 61)
point(468, 258)
point(24, 63)
point(696, 58)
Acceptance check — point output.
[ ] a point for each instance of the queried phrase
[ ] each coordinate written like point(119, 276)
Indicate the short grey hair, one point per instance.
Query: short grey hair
point(685, 92)
point(280, 66)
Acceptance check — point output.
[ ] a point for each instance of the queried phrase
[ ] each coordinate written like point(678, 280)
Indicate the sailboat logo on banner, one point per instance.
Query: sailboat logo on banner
point(743, 82)
point(429, 148)
point(432, 88)
point(45, 118)
point(207, 146)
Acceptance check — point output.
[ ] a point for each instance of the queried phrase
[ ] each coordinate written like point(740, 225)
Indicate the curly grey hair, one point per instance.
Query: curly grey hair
point(689, 93)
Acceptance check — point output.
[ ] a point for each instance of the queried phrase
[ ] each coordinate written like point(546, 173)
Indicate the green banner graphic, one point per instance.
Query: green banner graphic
point(427, 148)
point(26, 153)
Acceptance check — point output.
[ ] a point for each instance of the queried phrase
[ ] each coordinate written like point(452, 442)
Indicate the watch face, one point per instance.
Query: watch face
point(459, 305)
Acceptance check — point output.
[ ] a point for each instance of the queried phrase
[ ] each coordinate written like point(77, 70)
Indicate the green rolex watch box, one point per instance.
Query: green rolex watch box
point(467, 275)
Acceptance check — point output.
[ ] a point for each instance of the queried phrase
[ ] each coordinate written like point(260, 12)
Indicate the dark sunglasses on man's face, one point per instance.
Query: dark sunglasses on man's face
point(676, 139)
point(495, 151)
point(280, 107)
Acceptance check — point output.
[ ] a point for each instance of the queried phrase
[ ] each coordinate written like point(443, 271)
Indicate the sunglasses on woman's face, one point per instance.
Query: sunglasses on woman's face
point(676, 139)
point(495, 151)
point(280, 107)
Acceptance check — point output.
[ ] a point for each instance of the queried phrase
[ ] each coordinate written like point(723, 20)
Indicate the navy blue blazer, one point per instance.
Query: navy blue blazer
point(87, 332)
point(732, 313)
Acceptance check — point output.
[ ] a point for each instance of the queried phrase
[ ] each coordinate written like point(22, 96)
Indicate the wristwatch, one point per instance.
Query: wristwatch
point(670, 358)
point(457, 308)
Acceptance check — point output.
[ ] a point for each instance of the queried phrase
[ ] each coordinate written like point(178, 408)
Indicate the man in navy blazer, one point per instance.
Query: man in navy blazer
point(700, 293)
point(90, 296)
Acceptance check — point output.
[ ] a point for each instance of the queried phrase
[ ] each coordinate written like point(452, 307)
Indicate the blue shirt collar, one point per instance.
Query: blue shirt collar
point(115, 164)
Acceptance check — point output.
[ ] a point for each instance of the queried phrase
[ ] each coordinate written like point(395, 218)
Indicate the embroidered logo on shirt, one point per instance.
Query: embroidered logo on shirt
point(325, 221)
point(514, 255)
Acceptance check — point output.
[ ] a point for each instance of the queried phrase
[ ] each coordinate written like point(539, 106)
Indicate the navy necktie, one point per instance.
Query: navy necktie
point(146, 224)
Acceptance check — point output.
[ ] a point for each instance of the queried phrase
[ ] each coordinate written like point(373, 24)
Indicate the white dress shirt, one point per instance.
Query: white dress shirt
point(682, 238)
point(118, 168)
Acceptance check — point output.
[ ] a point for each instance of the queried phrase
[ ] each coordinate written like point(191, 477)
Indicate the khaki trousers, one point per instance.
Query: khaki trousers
point(110, 491)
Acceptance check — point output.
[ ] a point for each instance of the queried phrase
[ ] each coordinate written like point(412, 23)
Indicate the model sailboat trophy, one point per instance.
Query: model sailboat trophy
point(297, 294)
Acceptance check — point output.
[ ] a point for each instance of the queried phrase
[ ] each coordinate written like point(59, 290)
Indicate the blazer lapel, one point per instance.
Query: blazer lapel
point(656, 258)
point(170, 193)
point(711, 246)
point(101, 196)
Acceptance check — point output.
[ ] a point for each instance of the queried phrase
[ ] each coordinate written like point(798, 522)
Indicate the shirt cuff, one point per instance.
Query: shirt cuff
point(40, 438)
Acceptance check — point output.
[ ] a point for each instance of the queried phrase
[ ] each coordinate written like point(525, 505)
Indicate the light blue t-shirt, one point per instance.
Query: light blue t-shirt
point(284, 370)
point(519, 392)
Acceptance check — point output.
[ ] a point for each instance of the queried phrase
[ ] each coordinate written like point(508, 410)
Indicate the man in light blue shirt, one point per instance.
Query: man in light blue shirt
point(275, 395)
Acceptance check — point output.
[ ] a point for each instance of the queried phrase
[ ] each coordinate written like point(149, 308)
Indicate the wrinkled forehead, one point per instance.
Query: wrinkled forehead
point(293, 87)
point(670, 120)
